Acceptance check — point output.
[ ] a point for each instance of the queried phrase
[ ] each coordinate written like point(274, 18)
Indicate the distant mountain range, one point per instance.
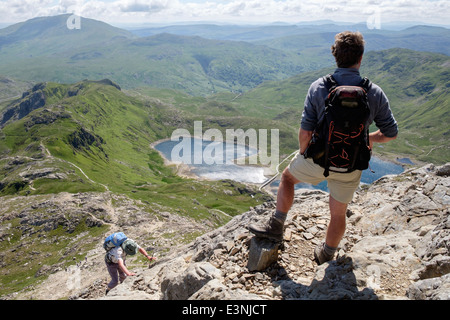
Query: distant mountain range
point(197, 59)
point(44, 49)
point(257, 83)
point(300, 38)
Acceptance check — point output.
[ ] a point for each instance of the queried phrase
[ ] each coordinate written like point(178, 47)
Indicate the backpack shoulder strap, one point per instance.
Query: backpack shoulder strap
point(330, 82)
point(365, 84)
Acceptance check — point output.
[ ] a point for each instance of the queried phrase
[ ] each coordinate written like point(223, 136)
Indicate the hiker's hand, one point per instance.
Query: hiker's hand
point(379, 137)
point(131, 274)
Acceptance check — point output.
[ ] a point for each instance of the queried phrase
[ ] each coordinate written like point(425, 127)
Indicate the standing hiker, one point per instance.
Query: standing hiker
point(115, 260)
point(332, 148)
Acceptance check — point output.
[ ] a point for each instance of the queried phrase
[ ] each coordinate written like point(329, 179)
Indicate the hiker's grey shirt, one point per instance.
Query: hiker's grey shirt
point(380, 111)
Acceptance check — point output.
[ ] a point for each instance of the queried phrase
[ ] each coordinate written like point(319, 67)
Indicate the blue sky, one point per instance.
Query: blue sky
point(234, 11)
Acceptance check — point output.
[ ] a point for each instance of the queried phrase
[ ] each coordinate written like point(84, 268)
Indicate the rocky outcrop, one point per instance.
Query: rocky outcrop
point(82, 140)
point(31, 100)
point(396, 246)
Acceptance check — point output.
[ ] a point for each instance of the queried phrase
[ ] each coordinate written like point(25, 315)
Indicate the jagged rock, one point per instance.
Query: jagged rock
point(49, 173)
point(183, 285)
point(82, 140)
point(396, 246)
point(393, 229)
point(443, 170)
point(216, 290)
point(31, 100)
point(262, 254)
point(431, 289)
point(126, 292)
point(338, 280)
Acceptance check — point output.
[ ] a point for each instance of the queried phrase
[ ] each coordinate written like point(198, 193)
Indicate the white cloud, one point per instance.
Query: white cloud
point(142, 5)
point(245, 11)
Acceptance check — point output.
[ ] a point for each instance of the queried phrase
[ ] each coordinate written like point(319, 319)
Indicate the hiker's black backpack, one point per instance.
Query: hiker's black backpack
point(340, 142)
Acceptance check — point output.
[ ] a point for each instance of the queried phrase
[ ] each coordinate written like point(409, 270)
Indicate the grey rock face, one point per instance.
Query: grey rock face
point(396, 246)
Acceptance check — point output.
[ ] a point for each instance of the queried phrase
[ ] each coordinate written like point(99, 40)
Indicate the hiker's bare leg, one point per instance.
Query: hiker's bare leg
point(336, 227)
point(285, 194)
point(273, 229)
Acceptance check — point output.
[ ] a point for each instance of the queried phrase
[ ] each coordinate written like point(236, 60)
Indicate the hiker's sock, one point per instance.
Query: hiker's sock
point(280, 216)
point(329, 251)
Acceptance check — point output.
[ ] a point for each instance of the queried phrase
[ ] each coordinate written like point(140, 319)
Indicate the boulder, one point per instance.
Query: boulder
point(262, 254)
point(182, 286)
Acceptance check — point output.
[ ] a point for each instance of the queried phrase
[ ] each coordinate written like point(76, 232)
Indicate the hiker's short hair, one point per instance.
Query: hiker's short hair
point(348, 47)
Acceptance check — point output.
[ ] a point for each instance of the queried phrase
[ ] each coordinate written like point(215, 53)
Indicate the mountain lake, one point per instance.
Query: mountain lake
point(198, 152)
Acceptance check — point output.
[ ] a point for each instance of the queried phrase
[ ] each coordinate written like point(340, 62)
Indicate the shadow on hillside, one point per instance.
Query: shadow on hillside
point(333, 281)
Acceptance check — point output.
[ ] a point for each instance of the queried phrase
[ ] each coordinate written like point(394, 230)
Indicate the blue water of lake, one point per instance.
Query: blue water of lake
point(243, 173)
point(216, 171)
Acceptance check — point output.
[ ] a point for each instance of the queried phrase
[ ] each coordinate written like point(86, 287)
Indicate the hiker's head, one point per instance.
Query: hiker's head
point(130, 247)
point(348, 48)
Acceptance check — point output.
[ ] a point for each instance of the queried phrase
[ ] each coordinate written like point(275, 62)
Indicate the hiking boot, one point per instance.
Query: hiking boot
point(320, 256)
point(272, 230)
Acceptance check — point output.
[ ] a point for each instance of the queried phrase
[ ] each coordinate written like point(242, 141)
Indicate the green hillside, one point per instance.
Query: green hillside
point(194, 68)
point(52, 52)
point(92, 139)
point(417, 84)
point(94, 127)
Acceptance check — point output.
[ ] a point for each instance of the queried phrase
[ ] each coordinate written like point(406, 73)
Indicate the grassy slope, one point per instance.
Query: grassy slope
point(119, 156)
point(107, 134)
point(416, 84)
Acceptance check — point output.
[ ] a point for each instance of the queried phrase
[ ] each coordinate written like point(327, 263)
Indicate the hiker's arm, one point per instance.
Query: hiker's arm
point(304, 137)
point(142, 250)
point(379, 137)
point(124, 268)
point(310, 116)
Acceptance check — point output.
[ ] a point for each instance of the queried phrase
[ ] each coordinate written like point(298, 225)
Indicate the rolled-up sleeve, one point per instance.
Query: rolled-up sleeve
point(383, 117)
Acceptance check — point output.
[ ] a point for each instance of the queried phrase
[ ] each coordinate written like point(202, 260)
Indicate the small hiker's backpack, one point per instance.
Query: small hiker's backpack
point(114, 240)
point(340, 142)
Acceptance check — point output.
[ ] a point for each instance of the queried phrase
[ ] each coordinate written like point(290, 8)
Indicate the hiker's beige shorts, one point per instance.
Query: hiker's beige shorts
point(342, 186)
